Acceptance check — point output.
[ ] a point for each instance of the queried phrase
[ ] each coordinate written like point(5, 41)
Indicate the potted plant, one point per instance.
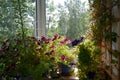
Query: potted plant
point(63, 55)
point(88, 60)
point(55, 50)
point(22, 60)
point(32, 58)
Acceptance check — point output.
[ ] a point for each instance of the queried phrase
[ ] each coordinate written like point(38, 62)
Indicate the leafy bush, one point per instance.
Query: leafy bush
point(88, 59)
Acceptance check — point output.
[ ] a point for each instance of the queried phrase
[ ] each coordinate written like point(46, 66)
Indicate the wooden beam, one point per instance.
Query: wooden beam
point(119, 51)
point(119, 44)
point(110, 75)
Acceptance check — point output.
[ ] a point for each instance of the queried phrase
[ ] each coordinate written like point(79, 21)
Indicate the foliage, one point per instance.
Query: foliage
point(88, 60)
point(33, 57)
point(101, 19)
point(101, 25)
point(111, 36)
point(57, 48)
point(18, 61)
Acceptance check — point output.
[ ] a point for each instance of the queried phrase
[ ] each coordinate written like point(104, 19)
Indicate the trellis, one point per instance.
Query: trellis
point(111, 64)
point(105, 27)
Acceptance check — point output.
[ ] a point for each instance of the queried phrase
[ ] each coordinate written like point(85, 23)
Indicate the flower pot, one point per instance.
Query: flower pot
point(91, 75)
point(65, 70)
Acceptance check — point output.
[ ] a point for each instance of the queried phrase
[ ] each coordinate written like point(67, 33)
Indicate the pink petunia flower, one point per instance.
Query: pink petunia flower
point(56, 36)
point(63, 57)
point(62, 42)
point(52, 47)
point(43, 38)
point(48, 41)
point(67, 41)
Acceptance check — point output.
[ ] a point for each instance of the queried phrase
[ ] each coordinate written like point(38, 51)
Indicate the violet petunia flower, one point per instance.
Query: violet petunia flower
point(43, 38)
point(75, 42)
point(81, 39)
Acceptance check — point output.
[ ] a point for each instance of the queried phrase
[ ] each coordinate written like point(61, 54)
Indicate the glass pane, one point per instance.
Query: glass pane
point(67, 18)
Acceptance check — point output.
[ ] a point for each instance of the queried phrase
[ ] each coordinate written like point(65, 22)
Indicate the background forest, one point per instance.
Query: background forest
point(69, 19)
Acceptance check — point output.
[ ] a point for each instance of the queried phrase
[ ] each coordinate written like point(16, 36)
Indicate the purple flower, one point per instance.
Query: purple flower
point(48, 41)
point(43, 38)
point(56, 36)
point(75, 42)
point(81, 39)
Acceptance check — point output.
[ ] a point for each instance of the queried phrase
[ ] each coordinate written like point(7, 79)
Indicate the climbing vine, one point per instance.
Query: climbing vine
point(101, 19)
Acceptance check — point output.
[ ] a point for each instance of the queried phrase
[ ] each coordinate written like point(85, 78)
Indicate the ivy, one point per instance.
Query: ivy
point(101, 19)
point(111, 36)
